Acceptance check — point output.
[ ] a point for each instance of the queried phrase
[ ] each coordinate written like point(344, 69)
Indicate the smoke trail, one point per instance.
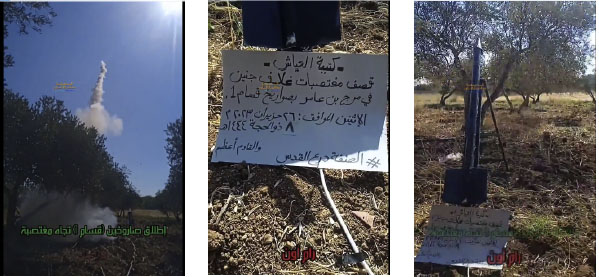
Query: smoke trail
point(96, 115)
point(54, 209)
point(98, 91)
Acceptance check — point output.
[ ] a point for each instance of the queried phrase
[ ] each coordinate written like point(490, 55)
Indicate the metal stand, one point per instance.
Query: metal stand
point(482, 81)
point(341, 222)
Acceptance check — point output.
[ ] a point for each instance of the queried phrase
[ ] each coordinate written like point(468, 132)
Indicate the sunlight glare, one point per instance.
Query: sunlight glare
point(171, 8)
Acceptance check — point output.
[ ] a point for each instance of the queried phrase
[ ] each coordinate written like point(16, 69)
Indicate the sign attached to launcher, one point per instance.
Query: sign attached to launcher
point(465, 236)
point(304, 109)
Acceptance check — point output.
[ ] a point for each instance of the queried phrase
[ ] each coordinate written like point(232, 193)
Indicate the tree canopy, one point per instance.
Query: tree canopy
point(515, 37)
point(26, 15)
point(170, 199)
point(47, 148)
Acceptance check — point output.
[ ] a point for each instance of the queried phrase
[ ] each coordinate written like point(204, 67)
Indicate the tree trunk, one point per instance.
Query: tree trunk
point(445, 96)
point(590, 93)
point(500, 85)
point(524, 104)
point(13, 196)
point(465, 79)
point(462, 88)
point(509, 102)
point(536, 99)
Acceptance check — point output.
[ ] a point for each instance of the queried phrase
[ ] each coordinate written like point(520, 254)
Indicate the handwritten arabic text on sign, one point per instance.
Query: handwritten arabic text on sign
point(463, 236)
point(304, 109)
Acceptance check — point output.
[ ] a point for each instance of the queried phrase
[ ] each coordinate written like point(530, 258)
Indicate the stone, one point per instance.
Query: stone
point(263, 189)
point(289, 244)
point(365, 217)
point(583, 271)
point(232, 261)
point(267, 239)
point(215, 240)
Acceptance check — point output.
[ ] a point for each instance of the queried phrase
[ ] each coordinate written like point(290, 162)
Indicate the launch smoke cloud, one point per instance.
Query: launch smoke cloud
point(96, 115)
point(55, 209)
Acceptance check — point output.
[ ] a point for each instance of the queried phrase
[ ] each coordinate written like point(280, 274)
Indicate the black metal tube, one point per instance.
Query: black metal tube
point(473, 120)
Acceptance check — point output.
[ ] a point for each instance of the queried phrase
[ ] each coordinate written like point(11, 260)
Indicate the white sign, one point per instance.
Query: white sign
point(304, 109)
point(463, 236)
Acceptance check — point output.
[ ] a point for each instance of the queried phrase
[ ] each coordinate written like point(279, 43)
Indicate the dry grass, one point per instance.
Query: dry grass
point(421, 99)
point(149, 213)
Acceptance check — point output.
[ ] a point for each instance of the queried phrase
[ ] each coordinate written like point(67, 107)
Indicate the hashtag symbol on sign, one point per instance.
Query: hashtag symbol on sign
point(374, 162)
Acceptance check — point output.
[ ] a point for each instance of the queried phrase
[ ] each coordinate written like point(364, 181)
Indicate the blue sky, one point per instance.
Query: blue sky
point(142, 47)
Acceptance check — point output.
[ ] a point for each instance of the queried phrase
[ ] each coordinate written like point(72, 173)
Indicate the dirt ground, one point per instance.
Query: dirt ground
point(549, 188)
point(268, 205)
point(134, 255)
